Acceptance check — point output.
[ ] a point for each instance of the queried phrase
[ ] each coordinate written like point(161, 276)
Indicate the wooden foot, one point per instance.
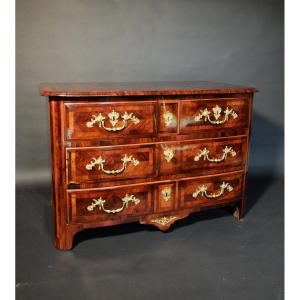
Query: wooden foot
point(65, 240)
point(236, 213)
point(239, 212)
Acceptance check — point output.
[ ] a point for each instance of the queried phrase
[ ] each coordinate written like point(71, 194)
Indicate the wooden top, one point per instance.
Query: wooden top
point(139, 88)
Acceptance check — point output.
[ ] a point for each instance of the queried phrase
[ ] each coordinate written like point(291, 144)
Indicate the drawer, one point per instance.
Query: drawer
point(109, 163)
point(203, 156)
point(211, 190)
point(212, 114)
point(110, 120)
point(113, 205)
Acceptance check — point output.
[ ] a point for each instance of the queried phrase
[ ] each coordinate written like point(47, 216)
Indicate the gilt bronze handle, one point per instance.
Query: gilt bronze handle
point(100, 162)
point(205, 115)
point(113, 119)
point(203, 153)
point(202, 191)
point(100, 203)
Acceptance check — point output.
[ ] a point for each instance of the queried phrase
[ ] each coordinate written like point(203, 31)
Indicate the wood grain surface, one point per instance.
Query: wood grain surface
point(139, 88)
point(166, 144)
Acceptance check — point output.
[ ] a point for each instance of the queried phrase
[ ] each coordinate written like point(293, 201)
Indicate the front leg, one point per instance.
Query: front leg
point(239, 211)
point(64, 240)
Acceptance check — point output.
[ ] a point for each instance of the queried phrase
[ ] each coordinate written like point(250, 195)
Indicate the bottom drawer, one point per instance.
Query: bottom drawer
point(115, 205)
point(112, 205)
point(210, 191)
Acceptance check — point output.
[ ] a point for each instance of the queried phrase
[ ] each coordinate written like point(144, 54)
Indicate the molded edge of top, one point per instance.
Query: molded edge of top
point(92, 89)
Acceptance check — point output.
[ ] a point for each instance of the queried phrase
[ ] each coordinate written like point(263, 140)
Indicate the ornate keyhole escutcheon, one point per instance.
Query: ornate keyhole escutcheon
point(168, 153)
point(168, 118)
point(166, 193)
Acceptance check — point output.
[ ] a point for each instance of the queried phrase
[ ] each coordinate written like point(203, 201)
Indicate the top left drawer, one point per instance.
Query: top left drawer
point(94, 120)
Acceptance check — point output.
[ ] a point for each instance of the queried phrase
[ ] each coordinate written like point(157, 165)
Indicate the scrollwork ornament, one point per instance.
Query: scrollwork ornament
point(164, 220)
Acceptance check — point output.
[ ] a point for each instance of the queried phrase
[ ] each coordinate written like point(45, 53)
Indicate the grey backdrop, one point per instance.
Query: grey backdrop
point(236, 41)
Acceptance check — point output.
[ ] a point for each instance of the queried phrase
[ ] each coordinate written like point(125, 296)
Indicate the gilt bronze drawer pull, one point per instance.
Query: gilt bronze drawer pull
point(113, 119)
point(205, 115)
point(203, 153)
point(100, 203)
point(202, 190)
point(100, 162)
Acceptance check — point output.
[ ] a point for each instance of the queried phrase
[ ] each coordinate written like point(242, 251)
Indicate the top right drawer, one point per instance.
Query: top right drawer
point(214, 114)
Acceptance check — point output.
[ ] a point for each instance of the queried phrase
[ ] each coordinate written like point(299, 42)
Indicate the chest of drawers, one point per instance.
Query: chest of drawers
point(147, 152)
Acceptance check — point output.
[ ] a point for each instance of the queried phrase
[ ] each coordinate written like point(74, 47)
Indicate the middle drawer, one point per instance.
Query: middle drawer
point(201, 157)
point(194, 157)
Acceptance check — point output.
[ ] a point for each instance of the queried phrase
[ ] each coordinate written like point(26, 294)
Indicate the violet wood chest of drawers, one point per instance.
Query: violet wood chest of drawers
point(147, 152)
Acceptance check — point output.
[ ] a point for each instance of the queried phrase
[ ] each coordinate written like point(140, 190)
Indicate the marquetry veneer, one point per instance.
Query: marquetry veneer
point(146, 152)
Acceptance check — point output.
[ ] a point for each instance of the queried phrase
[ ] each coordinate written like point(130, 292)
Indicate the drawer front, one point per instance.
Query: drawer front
point(110, 120)
point(203, 156)
point(212, 114)
point(212, 190)
point(110, 205)
point(109, 163)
